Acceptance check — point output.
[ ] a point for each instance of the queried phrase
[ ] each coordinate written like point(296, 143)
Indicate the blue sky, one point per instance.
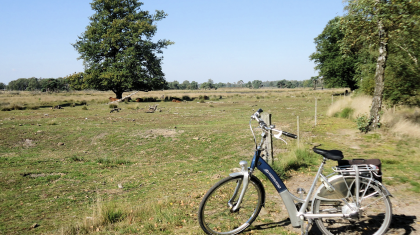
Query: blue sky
point(225, 41)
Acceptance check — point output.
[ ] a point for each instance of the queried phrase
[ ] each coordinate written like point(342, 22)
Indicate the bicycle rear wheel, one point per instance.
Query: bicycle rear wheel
point(374, 210)
point(215, 215)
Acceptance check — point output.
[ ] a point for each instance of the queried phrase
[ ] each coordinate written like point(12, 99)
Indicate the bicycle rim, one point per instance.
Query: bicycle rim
point(215, 215)
point(374, 215)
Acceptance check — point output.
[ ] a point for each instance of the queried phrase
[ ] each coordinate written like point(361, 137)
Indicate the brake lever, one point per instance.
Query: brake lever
point(278, 135)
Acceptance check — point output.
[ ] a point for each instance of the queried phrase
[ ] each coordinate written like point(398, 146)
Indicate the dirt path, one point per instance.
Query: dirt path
point(405, 206)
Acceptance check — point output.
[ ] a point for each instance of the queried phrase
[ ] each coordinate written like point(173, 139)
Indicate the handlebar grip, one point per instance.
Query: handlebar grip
point(257, 114)
point(289, 135)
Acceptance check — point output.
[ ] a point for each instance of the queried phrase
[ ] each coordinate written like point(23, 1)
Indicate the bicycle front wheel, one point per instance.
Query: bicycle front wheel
point(215, 215)
point(373, 208)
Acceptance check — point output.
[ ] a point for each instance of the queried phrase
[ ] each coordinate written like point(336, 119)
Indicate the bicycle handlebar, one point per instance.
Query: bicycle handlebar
point(289, 135)
point(263, 125)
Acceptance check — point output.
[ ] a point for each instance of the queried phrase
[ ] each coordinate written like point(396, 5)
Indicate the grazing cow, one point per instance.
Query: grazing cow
point(112, 99)
point(138, 100)
point(174, 100)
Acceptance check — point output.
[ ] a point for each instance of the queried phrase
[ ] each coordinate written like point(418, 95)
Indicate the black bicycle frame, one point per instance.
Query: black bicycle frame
point(262, 165)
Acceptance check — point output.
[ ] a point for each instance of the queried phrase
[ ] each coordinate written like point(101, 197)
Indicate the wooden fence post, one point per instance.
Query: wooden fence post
point(268, 144)
point(298, 136)
point(315, 109)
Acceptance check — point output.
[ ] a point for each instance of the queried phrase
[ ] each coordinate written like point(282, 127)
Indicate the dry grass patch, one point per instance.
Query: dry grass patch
point(359, 105)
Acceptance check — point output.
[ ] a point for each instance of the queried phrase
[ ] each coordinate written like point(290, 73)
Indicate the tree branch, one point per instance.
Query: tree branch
point(409, 54)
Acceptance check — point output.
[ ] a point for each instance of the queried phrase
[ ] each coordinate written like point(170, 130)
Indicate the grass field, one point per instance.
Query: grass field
point(83, 169)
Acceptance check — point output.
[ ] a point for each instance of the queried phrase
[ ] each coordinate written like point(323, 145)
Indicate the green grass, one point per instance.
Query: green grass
point(164, 171)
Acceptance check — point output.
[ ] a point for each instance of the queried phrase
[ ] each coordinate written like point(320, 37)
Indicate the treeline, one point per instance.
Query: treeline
point(210, 84)
point(37, 84)
point(63, 84)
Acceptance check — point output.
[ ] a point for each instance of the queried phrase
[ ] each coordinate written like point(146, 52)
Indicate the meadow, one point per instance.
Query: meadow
point(82, 169)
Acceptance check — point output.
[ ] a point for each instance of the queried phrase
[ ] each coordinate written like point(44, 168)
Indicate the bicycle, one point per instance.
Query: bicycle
point(348, 200)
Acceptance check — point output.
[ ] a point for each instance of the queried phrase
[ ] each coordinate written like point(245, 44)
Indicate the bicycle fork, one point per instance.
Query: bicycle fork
point(244, 182)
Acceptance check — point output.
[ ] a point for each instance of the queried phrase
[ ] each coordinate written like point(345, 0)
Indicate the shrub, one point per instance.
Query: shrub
point(363, 122)
point(186, 97)
point(85, 108)
point(203, 97)
point(113, 106)
point(17, 107)
point(33, 107)
point(149, 99)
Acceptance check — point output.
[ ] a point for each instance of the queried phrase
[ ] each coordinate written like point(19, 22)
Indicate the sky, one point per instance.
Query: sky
point(222, 40)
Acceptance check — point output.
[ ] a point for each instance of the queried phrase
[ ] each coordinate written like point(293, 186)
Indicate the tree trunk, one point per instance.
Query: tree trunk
point(379, 77)
point(118, 94)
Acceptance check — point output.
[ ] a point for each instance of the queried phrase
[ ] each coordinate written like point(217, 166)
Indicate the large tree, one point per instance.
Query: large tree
point(117, 48)
point(336, 70)
point(378, 23)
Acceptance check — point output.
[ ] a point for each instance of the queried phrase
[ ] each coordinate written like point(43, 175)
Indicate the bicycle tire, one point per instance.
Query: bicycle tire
point(375, 208)
point(216, 217)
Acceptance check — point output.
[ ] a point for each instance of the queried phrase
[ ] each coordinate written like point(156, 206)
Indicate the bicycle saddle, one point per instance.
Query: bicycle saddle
point(330, 154)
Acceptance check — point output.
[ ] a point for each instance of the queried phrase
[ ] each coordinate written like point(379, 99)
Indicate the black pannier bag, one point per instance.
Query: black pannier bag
point(376, 162)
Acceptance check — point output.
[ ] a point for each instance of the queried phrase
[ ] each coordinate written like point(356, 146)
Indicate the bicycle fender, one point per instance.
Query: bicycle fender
point(235, 174)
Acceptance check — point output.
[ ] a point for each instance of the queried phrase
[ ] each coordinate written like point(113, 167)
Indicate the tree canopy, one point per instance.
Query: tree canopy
point(117, 48)
point(337, 70)
point(391, 28)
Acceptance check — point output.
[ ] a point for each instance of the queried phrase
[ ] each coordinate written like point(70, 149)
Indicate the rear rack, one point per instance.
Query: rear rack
point(365, 170)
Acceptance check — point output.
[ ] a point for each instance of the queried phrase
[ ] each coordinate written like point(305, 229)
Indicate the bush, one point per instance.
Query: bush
point(33, 107)
point(113, 106)
point(216, 97)
point(363, 122)
point(203, 97)
point(186, 97)
point(85, 108)
point(16, 107)
point(149, 99)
